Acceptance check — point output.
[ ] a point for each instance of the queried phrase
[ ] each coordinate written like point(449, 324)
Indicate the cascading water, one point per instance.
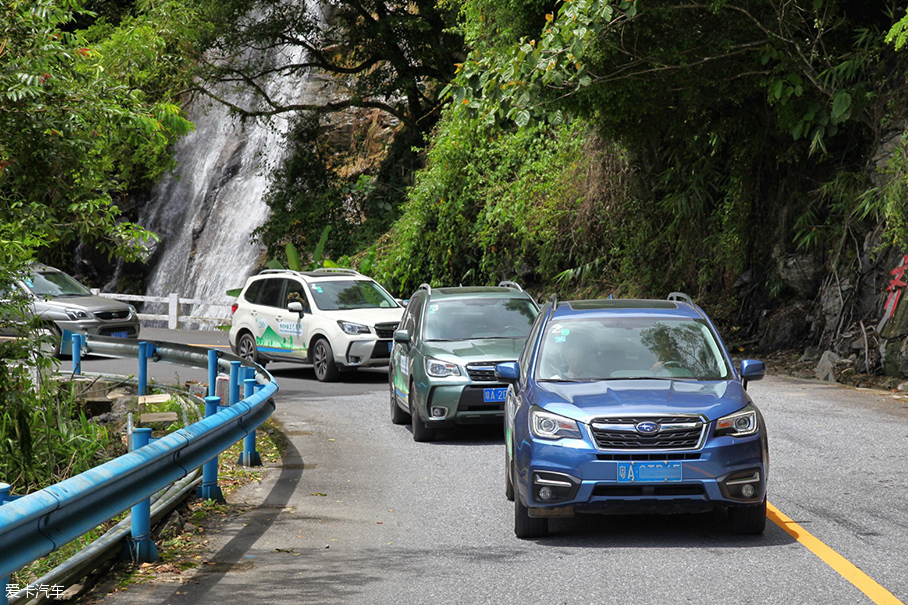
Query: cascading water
point(206, 210)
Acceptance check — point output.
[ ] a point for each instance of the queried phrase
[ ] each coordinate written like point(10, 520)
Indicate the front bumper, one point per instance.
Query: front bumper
point(448, 405)
point(582, 479)
point(366, 353)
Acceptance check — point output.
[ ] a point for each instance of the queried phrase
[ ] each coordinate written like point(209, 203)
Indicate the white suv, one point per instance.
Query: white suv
point(334, 319)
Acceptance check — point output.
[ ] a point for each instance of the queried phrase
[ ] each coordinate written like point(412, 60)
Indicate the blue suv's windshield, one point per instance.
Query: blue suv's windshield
point(481, 317)
point(630, 348)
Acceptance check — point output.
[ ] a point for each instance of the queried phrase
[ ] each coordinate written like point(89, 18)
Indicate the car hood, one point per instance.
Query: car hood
point(368, 317)
point(478, 350)
point(94, 304)
point(587, 400)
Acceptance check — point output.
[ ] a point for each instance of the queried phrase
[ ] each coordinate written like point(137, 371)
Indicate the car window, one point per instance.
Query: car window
point(613, 348)
point(296, 292)
point(252, 291)
point(524, 361)
point(337, 295)
point(51, 284)
point(408, 322)
point(465, 319)
point(270, 293)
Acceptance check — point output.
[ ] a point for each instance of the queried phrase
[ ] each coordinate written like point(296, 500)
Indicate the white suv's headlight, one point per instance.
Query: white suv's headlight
point(351, 328)
point(76, 314)
point(547, 425)
point(439, 368)
point(739, 424)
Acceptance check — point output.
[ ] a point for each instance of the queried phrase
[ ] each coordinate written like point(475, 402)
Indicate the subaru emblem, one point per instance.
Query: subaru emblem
point(647, 428)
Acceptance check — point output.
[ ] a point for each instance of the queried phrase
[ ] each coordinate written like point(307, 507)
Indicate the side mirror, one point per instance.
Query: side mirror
point(752, 369)
point(296, 307)
point(402, 336)
point(508, 372)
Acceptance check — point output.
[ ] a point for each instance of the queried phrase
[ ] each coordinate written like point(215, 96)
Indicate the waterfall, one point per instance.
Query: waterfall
point(206, 210)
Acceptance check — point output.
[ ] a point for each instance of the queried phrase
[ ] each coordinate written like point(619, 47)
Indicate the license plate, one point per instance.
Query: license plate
point(120, 334)
point(632, 472)
point(390, 346)
point(494, 395)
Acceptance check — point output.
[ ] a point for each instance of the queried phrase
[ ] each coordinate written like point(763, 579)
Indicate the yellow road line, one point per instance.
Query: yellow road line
point(840, 564)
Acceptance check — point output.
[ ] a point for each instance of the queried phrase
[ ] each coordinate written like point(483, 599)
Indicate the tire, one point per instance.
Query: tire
point(323, 361)
point(245, 348)
point(421, 433)
point(527, 527)
point(508, 482)
point(398, 416)
point(748, 520)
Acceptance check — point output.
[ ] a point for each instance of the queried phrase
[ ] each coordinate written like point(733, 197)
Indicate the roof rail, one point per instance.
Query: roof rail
point(682, 297)
point(554, 301)
point(426, 287)
point(278, 271)
point(335, 270)
point(510, 284)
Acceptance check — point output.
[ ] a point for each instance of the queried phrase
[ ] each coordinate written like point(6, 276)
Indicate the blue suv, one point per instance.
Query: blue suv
point(631, 406)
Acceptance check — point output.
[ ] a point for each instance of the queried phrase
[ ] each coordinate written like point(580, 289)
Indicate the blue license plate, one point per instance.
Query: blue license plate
point(494, 395)
point(390, 346)
point(632, 472)
point(120, 334)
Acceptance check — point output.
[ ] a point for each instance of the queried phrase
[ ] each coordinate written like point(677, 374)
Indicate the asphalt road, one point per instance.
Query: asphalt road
point(358, 513)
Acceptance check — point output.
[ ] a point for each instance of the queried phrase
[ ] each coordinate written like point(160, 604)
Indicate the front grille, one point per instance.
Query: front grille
point(639, 491)
point(482, 372)
point(675, 433)
point(385, 330)
point(641, 457)
point(381, 350)
point(109, 315)
point(472, 400)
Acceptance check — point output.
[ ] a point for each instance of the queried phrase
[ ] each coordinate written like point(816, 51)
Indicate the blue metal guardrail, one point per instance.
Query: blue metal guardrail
point(36, 524)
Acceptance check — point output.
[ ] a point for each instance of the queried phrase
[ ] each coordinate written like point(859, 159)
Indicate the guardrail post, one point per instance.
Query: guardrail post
point(249, 457)
point(212, 372)
point(141, 547)
point(77, 353)
point(173, 310)
point(209, 489)
point(143, 366)
point(234, 382)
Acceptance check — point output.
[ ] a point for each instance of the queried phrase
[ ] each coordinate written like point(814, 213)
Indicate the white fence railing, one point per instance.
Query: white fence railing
point(173, 317)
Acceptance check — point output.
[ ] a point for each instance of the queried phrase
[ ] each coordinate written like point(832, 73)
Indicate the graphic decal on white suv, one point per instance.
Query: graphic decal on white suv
point(272, 340)
point(290, 328)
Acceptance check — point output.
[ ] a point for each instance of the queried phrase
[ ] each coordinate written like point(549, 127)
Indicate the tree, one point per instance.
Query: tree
point(384, 54)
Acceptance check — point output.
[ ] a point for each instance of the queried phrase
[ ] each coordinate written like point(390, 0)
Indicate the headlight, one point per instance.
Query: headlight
point(75, 314)
point(439, 368)
point(547, 425)
point(739, 424)
point(352, 328)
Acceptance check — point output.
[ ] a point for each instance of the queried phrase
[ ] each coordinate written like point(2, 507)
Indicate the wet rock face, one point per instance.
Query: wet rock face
point(787, 328)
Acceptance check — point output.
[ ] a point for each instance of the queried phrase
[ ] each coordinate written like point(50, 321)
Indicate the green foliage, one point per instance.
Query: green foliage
point(495, 205)
point(44, 435)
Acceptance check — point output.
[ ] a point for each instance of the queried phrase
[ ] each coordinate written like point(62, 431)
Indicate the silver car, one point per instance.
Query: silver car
point(62, 303)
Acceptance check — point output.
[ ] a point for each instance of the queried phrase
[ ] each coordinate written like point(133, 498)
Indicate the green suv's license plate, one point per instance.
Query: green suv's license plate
point(630, 472)
point(494, 395)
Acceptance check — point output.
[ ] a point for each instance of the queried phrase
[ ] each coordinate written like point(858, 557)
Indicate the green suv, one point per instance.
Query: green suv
point(442, 367)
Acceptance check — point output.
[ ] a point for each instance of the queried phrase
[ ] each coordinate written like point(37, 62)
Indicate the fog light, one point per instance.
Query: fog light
point(439, 412)
point(747, 490)
point(545, 493)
